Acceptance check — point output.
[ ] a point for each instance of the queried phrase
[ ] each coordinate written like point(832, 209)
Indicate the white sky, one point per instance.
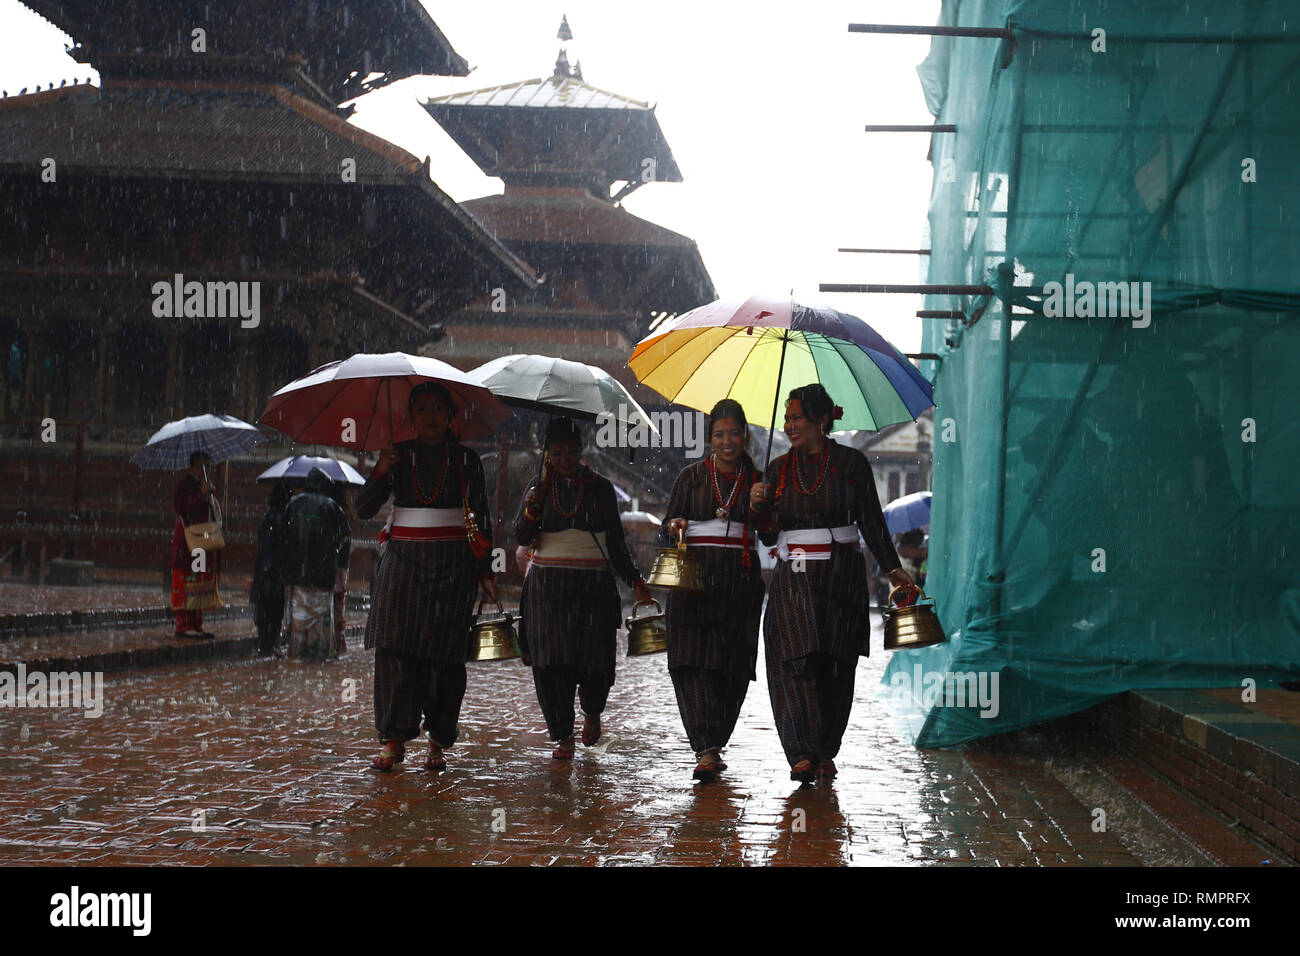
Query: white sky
point(762, 103)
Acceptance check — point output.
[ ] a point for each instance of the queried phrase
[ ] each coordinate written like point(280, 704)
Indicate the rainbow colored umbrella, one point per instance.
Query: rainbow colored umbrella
point(756, 351)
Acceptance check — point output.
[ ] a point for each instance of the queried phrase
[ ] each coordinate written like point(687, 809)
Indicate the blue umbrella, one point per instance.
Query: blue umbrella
point(297, 467)
point(220, 436)
point(908, 512)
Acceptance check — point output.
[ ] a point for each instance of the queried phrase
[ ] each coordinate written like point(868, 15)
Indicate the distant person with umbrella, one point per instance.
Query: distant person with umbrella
point(812, 503)
point(193, 444)
point(713, 636)
point(267, 594)
point(194, 577)
point(570, 603)
point(422, 598)
point(317, 542)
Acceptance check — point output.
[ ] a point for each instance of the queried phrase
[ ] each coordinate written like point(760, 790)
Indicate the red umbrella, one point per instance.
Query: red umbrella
point(361, 402)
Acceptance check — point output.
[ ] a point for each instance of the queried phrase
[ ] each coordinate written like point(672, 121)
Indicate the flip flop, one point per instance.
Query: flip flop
point(706, 766)
point(394, 752)
point(563, 750)
point(803, 771)
point(590, 729)
point(435, 761)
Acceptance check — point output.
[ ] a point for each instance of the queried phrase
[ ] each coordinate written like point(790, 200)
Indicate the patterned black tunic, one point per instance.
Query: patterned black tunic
point(422, 595)
point(716, 630)
point(570, 615)
point(824, 607)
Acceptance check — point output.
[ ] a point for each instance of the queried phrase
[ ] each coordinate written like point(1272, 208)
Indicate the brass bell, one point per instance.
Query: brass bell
point(914, 626)
point(676, 569)
point(646, 635)
point(493, 639)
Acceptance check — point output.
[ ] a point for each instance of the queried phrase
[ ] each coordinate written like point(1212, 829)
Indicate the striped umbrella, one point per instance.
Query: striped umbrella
point(221, 436)
point(756, 351)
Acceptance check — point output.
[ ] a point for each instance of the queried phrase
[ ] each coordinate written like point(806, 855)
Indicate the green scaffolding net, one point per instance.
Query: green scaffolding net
point(1116, 502)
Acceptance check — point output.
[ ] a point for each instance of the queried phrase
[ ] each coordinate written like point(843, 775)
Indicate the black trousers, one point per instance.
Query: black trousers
point(555, 689)
point(811, 700)
point(709, 702)
point(405, 686)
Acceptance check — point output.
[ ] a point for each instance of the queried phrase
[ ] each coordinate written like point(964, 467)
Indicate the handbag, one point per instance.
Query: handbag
point(206, 535)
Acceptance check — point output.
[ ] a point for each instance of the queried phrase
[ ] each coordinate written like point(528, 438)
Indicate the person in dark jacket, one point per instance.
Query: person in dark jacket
point(267, 594)
point(317, 542)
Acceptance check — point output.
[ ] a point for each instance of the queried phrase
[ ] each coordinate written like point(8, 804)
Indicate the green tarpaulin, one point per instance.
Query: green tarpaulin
point(1116, 503)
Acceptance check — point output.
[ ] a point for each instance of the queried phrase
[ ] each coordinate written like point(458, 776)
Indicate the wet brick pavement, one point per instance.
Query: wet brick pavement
point(264, 762)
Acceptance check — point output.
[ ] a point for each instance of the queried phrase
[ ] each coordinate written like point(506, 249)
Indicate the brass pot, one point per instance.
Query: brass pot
point(676, 569)
point(914, 626)
point(646, 635)
point(493, 638)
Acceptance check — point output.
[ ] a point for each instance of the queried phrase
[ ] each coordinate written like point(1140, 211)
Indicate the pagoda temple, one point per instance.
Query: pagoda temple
point(215, 152)
point(568, 153)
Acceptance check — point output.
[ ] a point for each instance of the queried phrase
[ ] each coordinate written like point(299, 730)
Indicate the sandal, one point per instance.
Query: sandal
point(804, 771)
point(394, 752)
point(706, 766)
point(827, 769)
point(564, 749)
point(435, 761)
point(590, 729)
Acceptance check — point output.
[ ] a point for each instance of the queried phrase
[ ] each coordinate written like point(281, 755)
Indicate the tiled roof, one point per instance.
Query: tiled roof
point(539, 214)
point(552, 92)
point(213, 130)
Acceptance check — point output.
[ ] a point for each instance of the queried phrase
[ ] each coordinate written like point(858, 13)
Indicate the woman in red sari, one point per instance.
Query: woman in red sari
point(194, 577)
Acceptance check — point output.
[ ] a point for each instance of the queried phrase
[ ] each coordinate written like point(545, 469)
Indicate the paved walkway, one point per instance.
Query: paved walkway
point(264, 762)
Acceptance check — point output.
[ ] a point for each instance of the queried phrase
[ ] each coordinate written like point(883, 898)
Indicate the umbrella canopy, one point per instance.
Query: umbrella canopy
point(559, 386)
point(298, 466)
point(220, 436)
point(908, 512)
point(361, 402)
point(756, 351)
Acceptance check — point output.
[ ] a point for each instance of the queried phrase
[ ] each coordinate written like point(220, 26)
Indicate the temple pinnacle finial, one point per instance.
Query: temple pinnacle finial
point(565, 33)
point(562, 66)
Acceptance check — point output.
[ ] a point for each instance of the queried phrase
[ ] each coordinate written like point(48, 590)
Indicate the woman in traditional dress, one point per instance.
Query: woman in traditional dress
point(812, 504)
point(713, 636)
point(422, 595)
point(570, 604)
point(194, 577)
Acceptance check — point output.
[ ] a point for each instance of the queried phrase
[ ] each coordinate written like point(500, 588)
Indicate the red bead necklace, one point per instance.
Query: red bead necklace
point(821, 474)
point(555, 497)
point(442, 476)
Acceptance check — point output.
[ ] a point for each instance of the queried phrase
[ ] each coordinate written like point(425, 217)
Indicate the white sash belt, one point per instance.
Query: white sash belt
point(715, 534)
point(570, 548)
point(814, 544)
point(425, 524)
